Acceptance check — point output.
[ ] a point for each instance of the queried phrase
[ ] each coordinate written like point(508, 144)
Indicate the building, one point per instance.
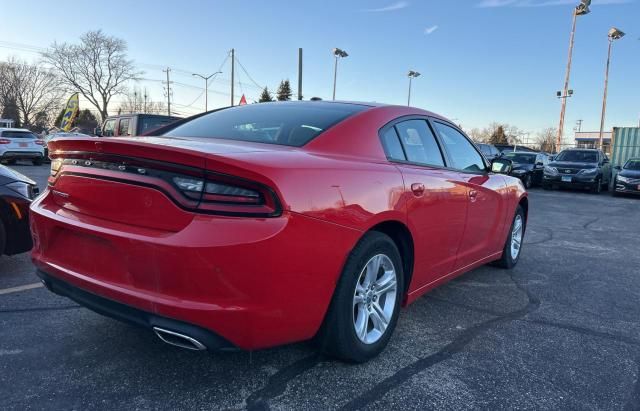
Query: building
point(6, 123)
point(626, 145)
point(591, 139)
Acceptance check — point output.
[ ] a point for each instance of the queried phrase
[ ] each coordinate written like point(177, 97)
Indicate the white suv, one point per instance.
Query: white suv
point(20, 144)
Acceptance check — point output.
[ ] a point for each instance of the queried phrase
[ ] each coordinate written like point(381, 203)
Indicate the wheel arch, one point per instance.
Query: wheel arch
point(401, 236)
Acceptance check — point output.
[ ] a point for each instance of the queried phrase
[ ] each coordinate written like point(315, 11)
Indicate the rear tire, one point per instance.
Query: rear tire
point(359, 322)
point(508, 259)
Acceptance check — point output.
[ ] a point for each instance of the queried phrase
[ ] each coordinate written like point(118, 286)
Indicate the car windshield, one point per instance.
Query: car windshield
point(632, 165)
point(521, 158)
point(291, 124)
point(18, 134)
point(578, 156)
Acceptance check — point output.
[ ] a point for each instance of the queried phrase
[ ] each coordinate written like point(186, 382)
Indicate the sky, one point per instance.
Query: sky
point(481, 60)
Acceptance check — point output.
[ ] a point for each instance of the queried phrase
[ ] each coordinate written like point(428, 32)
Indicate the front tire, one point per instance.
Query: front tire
point(528, 182)
point(513, 246)
point(3, 238)
point(366, 303)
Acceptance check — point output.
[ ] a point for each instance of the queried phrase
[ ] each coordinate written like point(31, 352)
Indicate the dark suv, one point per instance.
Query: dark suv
point(578, 168)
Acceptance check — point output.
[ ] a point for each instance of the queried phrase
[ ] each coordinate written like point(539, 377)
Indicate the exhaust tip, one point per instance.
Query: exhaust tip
point(179, 340)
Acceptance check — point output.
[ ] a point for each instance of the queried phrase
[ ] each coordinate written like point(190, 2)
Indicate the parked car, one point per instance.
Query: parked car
point(528, 167)
point(627, 179)
point(489, 151)
point(20, 144)
point(16, 193)
point(578, 168)
point(133, 124)
point(222, 233)
point(59, 134)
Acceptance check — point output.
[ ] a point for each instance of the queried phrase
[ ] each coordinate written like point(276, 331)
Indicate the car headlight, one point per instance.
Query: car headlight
point(550, 170)
point(588, 171)
point(21, 188)
point(623, 179)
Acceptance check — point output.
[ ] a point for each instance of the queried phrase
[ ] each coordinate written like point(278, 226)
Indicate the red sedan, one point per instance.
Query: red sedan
point(266, 224)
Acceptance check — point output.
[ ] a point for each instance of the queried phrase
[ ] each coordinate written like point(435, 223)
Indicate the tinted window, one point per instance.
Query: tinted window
point(150, 123)
point(123, 127)
point(419, 142)
point(578, 156)
point(462, 153)
point(391, 145)
point(18, 134)
point(291, 124)
point(485, 149)
point(109, 125)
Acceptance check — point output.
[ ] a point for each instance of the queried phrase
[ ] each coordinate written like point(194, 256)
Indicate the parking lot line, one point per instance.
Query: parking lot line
point(20, 288)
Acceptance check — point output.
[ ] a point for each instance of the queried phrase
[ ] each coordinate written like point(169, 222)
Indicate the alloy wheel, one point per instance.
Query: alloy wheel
point(374, 298)
point(516, 237)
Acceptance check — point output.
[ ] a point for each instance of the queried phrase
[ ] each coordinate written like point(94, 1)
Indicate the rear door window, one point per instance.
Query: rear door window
point(123, 127)
point(392, 146)
point(419, 143)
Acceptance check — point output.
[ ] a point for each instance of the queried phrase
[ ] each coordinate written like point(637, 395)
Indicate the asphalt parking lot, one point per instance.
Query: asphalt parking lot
point(560, 331)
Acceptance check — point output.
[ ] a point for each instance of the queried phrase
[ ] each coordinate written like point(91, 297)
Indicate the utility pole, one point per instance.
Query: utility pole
point(145, 99)
point(233, 73)
point(168, 91)
point(337, 54)
point(579, 125)
point(300, 73)
point(412, 74)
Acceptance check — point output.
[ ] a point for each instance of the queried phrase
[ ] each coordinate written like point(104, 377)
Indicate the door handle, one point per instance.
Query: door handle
point(473, 194)
point(417, 189)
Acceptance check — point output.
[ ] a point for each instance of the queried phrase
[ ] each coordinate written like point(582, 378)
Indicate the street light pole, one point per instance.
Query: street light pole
point(206, 87)
point(614, 34)
point(338, 54)
point(579, 10)
point(412, 74)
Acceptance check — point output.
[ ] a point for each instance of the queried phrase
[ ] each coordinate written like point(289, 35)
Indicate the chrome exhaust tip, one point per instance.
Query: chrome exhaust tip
point(179, 340)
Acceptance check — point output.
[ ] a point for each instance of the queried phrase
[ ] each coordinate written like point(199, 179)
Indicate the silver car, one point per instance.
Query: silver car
point(20, 144)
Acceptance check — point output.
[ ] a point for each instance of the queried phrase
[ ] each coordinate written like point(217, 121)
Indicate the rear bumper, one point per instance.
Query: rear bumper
point(255, 282)
point(16, 155)
point(132, 315)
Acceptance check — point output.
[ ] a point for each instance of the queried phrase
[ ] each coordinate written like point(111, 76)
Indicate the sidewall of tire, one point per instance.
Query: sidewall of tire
point(507, 260)
point(337, 336)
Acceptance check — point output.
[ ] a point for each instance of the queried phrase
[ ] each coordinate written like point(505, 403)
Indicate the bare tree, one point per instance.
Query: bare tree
point(546, 139)
point(35, 91)
point(97, 67)
point(139, 101)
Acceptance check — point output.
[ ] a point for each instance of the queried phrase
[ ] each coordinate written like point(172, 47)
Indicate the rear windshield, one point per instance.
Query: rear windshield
point(18, 134)
point(290, 124)
point(577, 156)
point(521, 158)
point(150, 123)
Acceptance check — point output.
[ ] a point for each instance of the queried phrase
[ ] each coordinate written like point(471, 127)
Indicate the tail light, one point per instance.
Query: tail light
point(5, 141)
point(39, 142)
point(222, 194)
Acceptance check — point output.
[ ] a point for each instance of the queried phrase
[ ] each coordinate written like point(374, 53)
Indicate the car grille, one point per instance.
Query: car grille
point(566, 170)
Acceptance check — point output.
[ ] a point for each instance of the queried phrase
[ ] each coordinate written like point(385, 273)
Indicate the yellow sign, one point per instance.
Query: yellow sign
point(70, 113)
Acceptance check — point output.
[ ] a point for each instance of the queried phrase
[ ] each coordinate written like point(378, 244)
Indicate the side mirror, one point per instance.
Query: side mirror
point(605, 161)
point(551, 158)
point(501, 165)
point(617, 168)
point(97, 131)
point(539, 164)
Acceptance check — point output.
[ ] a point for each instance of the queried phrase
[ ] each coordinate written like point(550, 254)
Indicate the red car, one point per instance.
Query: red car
point(266, 224)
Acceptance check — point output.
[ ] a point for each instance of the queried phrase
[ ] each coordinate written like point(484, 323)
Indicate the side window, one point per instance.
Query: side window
point(463, 155)
point(494, 151)
point(123, 127)
point(419, 143)
point(391, 144)
point(107, 130)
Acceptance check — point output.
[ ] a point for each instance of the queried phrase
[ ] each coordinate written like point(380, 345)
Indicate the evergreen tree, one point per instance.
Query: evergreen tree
point(86, 121)
point(499, 136)
point(284, 91)
point(265, 96)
